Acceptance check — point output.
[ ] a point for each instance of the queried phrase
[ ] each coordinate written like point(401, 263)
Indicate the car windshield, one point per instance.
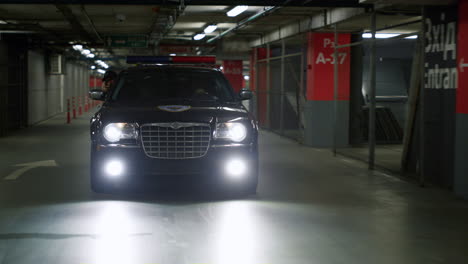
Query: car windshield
point(151, 85)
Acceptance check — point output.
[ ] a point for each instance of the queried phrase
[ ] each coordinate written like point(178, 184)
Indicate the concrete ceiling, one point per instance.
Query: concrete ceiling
point(174, 23)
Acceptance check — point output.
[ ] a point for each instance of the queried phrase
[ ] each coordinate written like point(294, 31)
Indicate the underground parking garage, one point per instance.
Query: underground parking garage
point(204, 131)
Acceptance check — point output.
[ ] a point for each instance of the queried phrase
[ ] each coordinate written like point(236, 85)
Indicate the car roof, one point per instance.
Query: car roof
point(207, 68)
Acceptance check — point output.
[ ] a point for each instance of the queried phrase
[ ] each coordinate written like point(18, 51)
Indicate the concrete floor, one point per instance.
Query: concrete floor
point(310, 208)
point(386, 156)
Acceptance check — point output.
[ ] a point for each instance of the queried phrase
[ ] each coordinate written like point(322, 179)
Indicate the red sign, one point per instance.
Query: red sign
point(462, 54)
point(320, 67)
point(95, 82)
point(233, 71)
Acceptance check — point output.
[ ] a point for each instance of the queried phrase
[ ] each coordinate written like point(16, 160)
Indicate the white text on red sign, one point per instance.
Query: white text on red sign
point(324, 59)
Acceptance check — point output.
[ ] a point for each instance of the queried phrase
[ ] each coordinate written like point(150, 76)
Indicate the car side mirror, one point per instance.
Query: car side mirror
point(245, 94)
point(97, 94)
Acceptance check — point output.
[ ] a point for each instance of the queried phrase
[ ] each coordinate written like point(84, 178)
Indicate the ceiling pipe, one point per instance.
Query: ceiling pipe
point(243, 23)
point(12, 31)
point(83, 10)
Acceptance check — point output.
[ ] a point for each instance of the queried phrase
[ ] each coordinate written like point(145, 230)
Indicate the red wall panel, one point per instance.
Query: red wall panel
point(320, 67)
point(462, 90)
point(233, 71)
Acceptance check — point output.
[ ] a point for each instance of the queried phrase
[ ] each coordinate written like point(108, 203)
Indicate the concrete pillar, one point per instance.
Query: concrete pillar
point(440, 83)
point(355, 99)
point(461, 131)
point(319, 107)
point(258, 82)
point(3, 87)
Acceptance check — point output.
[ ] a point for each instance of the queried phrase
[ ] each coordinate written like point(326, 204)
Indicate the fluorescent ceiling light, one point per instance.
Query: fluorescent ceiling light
point(77, 47)
point(93, 67)
point(246, 77)
point(3, 22)
point(101, 71)
point(412, 37)
point(199, 36)
point(172, 54)
point(379, 35)
point(209, 29)
point(237, 10)
point(86, 52)
point(90, 56)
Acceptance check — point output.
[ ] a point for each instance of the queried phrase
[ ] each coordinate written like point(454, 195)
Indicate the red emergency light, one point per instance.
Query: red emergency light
point(171, 60)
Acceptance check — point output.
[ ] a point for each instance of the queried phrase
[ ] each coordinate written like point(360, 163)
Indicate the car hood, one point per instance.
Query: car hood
point(156, 114)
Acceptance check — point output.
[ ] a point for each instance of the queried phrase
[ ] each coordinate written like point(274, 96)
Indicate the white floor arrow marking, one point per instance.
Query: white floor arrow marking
point(28, 166)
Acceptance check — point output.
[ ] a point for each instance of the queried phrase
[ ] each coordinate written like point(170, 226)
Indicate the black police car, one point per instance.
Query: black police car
point(183, 125)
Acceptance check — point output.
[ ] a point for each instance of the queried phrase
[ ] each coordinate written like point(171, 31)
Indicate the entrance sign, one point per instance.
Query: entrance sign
point(126, 41)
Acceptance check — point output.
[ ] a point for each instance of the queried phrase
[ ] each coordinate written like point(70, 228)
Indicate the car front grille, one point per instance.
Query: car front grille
point(175, 140)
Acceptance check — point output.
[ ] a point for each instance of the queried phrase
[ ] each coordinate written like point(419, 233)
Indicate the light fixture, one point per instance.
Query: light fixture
point(236, 132)
point(114, 168)
point(237, 10)
point(246, 77)
point(93, 67)
point(101, 71)
point(172, 54)
point(78, 47)
point(85, 52)
point(209, 29)
point(380, 35)
point(90, 56)
point(102, 64)
point(236, 168)
point(3, 22)
point(114, 132)
point(199, 36)
point(412, 37)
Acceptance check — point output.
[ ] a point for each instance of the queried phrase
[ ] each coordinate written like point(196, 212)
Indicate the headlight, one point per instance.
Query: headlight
point(114, 132)
point(233, 131)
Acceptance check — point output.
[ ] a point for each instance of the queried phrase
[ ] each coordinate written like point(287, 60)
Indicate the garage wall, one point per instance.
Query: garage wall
point(48, 93)
point(3, 87)
point(393, 70)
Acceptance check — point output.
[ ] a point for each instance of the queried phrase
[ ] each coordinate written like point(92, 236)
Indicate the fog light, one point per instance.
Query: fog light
point(236, 168)
point(114, 168)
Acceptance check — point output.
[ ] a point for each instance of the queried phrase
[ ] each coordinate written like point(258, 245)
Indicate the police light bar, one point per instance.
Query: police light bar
point(171, 59)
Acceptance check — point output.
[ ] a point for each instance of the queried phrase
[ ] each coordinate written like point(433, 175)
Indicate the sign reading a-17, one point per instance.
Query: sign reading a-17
point(126, 41)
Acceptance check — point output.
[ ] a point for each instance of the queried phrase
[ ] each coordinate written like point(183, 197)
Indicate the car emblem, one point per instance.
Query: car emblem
point(175, 125)
point(174, 108)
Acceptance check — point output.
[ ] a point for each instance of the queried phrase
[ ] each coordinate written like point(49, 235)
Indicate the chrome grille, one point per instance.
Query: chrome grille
point(175, 140)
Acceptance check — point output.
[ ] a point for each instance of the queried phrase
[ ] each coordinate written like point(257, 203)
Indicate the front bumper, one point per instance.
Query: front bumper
point(140, 169)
